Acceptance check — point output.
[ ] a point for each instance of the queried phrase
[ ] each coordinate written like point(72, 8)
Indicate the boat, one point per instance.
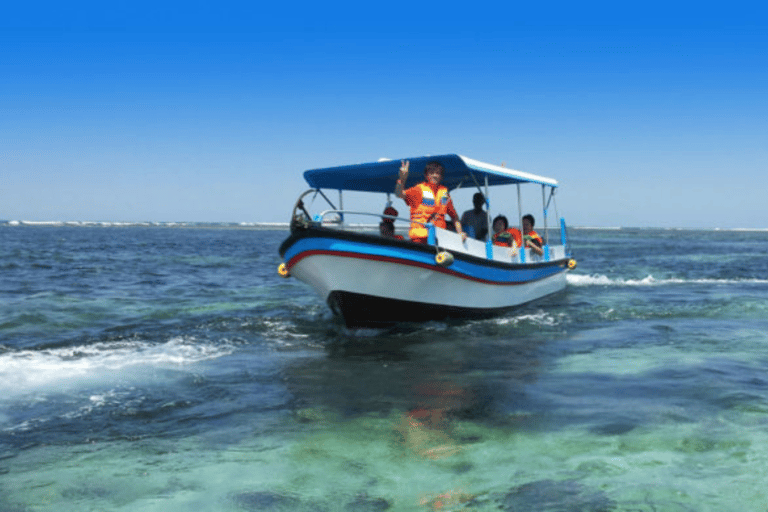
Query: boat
point(369, 280)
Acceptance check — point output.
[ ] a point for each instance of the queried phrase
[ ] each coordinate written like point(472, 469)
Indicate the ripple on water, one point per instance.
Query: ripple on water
point(270, 501)
point(556, 495)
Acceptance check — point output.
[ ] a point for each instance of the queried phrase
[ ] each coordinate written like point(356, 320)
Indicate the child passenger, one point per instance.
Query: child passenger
point(504, 235)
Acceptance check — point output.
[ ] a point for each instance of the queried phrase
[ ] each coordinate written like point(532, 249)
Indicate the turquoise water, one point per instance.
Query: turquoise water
point(159, 368)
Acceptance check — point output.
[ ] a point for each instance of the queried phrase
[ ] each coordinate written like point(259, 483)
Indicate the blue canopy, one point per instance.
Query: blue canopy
point(381, 176)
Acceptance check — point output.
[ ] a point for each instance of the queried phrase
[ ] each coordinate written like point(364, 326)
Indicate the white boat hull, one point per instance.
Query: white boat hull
point(367, 280)
point(327, 273)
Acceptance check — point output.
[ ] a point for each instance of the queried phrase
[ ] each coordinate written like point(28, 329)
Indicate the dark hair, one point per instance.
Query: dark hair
point(530, 218)
point(434, 165)
point(502, 218)
point(478, 200)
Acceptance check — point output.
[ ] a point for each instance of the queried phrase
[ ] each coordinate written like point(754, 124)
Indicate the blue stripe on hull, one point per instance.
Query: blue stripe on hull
point(499, 273)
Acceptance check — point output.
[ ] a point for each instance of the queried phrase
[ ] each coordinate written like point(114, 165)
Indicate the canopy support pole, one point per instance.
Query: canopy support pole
point(520, 223)
point(544, 212)
point(546, 228)
point(489, 235)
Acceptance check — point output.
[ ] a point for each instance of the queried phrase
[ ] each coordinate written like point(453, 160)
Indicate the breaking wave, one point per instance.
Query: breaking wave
point(602, 280)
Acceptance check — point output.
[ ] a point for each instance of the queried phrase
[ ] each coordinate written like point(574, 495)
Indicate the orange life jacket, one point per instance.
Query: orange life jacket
point(432, 208)
point(504, 238)
point(535, 236)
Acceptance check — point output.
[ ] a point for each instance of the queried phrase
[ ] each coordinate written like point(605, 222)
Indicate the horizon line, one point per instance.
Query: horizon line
point(285, 225)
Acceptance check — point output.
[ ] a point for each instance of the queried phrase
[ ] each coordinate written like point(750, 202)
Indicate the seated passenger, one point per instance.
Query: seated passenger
point(532, 239)
point(475, 221)
point(504, 235)
point(387, 225)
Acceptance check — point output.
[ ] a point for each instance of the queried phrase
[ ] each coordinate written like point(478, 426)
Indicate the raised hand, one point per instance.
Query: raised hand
point(404, 165)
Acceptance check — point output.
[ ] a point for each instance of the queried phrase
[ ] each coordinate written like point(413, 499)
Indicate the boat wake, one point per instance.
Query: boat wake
point(27, 371)
point(602, 280)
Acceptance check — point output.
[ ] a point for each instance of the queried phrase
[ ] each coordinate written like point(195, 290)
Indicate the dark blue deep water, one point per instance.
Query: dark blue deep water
point(172, 369)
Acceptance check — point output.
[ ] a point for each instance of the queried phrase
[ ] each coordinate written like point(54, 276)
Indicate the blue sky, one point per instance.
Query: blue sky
point(648, 115)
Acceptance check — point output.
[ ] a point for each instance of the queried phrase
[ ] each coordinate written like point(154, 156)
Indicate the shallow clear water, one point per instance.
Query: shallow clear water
point(157, 368)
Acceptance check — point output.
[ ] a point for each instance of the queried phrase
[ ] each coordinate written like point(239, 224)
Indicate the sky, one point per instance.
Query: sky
point(648, 114)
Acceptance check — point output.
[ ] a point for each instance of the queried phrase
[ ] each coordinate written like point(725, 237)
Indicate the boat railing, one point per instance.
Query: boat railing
point(451, 241)
point(321, 216)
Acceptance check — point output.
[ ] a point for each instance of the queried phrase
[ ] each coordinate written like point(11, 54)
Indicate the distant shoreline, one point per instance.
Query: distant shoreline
point(283, 226)
point(122, 224)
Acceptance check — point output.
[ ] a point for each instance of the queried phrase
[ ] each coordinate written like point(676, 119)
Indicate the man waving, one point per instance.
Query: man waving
point(429, 201)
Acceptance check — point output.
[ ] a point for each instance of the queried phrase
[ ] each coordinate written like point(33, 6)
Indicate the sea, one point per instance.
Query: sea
point(168, 367)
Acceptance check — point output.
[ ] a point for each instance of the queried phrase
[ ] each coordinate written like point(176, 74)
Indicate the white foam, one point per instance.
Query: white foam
point(40, 223)
point(602, 280)
point(30, 370)
point(541, 318)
